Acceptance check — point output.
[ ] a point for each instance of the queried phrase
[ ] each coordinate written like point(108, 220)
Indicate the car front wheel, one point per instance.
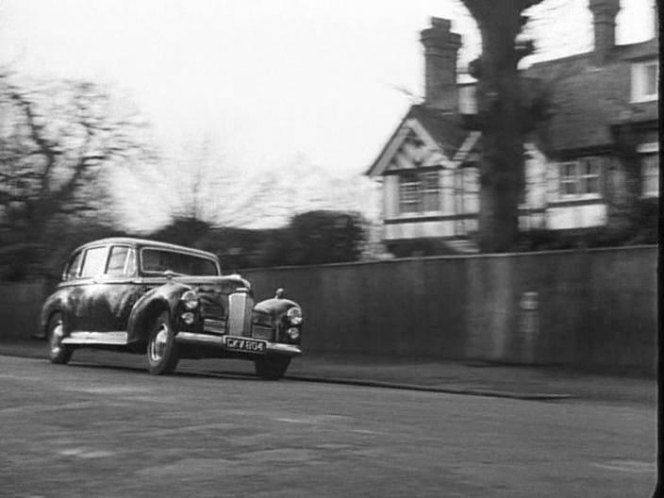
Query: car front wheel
point(57, 352)
point(271, 367)
point(162, 351)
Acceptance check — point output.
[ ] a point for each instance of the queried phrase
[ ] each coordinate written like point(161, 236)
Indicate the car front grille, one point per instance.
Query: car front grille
point(240, 308)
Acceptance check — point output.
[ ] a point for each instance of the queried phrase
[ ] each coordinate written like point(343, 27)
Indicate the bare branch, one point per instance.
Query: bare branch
point(36, 132)
point(59, 137)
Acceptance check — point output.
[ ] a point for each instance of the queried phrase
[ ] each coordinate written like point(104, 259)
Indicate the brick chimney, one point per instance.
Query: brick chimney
point(441, 47)
point(656, 24)
point(604, 22)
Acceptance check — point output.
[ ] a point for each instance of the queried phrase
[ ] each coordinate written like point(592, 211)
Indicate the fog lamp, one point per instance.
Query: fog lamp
point(293, 333)
point(188, 317)
point(294, 316)
point(190, 300)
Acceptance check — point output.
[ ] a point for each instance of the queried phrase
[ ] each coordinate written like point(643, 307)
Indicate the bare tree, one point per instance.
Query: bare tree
point(193, 181)
point(502, 117)
point(56, 142)
point(199, 176)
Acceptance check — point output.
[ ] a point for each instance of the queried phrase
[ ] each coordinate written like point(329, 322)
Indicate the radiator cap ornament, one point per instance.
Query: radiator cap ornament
point(279, 294)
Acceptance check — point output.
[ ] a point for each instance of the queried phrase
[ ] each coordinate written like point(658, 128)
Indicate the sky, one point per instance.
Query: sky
point(267, 80)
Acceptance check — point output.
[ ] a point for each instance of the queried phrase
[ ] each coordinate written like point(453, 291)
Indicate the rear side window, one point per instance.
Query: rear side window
point(73, 266)
point(93, 263)
point(117, 261)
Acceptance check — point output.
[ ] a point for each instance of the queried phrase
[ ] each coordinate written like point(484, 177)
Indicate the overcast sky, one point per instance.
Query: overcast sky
point(266, 80)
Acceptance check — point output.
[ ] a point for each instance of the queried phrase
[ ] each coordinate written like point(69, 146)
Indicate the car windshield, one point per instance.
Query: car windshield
point(163, 261)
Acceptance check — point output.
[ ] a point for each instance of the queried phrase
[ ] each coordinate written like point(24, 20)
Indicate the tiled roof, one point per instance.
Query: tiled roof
point(588, 100)
point(446, 129)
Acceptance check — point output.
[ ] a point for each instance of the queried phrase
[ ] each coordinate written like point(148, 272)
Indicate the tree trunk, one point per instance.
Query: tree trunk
point(501, 113)
point(623, 205)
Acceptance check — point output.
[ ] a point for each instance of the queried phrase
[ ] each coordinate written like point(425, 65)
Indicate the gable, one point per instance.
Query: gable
point(409, 148)
point(424, 139)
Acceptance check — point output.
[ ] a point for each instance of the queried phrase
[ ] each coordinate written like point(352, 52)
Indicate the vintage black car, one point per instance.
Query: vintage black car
point(168, 302)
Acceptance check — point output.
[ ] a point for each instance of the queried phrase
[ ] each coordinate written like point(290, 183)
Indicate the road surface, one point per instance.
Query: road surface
point(87, 430)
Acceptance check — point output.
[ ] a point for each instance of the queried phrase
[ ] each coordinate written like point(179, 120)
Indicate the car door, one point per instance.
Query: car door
point(94, 261)
point(116, 290)
point(72, 291)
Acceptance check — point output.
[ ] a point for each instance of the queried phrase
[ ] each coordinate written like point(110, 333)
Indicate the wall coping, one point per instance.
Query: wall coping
point(452, 257)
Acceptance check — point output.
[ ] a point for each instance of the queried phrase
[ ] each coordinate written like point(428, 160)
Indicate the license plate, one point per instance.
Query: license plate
point(245, 345)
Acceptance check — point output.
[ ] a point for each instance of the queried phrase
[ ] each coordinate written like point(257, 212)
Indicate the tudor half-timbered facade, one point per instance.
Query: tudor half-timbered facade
point(583, 167)
point(430, 189)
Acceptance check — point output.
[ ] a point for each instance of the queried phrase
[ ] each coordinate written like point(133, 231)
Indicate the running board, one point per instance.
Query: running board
point(107, 338)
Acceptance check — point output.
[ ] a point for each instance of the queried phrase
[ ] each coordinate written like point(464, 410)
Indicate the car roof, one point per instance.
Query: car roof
point(146, 242)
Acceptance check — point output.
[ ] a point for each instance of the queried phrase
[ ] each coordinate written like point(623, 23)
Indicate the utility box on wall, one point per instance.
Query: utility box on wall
point(529, 326)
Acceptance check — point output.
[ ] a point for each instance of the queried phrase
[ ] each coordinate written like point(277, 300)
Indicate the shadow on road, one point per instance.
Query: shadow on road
point(177, 373)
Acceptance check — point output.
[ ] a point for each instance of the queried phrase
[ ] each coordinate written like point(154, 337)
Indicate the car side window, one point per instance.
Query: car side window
point(131, 263)
point(93, 263)
point(117, 261)
point(73, 266)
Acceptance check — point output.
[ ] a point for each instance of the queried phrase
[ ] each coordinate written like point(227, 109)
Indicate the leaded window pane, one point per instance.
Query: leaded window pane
point(580, 178)
point(419, 192)
point(431, 191)
point(650, 174)
point(408, 193)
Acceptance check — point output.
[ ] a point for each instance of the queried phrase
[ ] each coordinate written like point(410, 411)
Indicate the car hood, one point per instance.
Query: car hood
point(225, 283)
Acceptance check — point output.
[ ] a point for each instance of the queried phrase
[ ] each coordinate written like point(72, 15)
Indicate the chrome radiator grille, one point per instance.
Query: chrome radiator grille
point(240, 308)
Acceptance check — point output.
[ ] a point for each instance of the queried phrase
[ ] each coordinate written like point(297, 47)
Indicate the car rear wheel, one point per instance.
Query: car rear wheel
point(162, 351)
point(271, 367)
point(57, 352)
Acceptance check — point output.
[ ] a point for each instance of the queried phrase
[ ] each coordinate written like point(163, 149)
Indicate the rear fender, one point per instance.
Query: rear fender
point(164, 298)
point(54, 303)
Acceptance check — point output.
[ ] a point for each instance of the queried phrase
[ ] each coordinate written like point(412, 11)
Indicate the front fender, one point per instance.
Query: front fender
point(273, 308)
point(165, 297)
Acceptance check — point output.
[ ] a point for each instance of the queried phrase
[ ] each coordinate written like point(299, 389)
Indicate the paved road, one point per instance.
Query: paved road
point(94, 431)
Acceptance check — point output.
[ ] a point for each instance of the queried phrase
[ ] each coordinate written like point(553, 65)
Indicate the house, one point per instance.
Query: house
point(588, 165)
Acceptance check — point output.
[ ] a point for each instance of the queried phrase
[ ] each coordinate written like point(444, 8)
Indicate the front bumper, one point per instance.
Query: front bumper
point(219, 342)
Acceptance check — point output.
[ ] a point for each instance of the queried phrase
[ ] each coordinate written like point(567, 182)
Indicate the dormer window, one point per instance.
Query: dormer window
point(645, 77)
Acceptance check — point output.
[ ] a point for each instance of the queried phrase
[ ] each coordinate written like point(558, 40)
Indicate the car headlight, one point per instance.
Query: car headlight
point(190, 300)
point(188, 317)
point(294, 316)
point(293, 333)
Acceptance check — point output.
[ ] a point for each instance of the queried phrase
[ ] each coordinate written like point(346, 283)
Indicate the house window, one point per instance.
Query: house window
point(645, 77)
point(408, 193)
point(580, 179)
point(650, 175)
point(419, 192)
